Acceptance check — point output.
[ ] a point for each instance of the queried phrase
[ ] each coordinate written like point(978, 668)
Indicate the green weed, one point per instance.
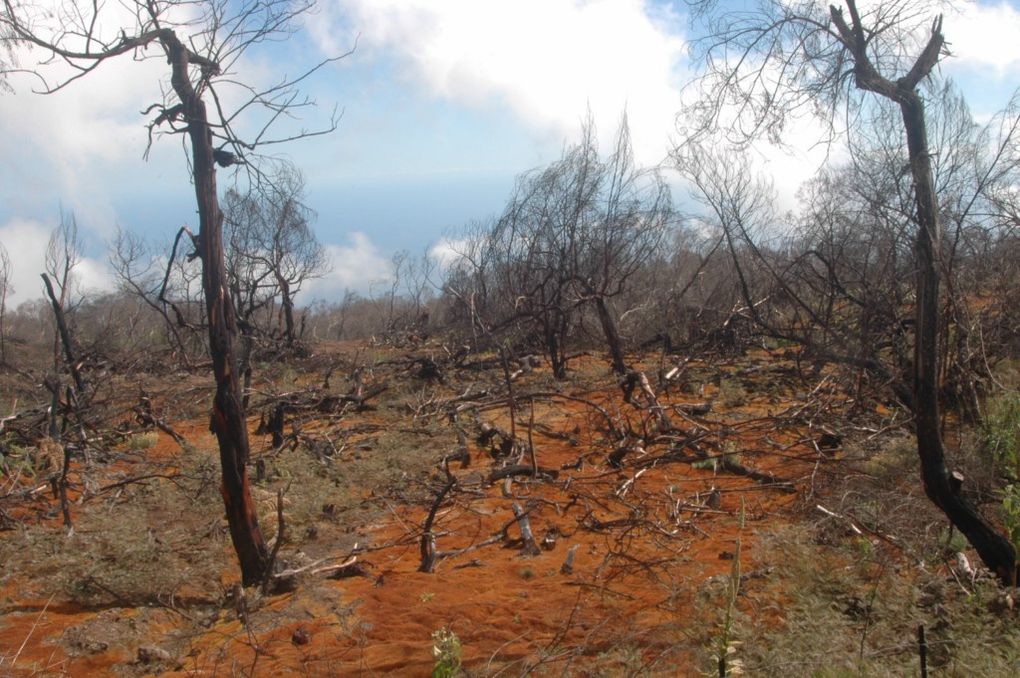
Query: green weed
point(446, 650)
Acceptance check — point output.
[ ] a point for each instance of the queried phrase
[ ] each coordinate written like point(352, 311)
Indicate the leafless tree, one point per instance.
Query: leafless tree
point(6, 271)
point(572, 237)
point(857, 231)
point(410, 287)
point(8, 44)
point(202, 42)
point(783, 59)
point(147, 277)
point(632, 216)
point(63, 254)
point(465, 285)
point(272, 250)
point(741, 205)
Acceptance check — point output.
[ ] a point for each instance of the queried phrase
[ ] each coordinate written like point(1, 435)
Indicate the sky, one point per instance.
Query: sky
point(443, 103)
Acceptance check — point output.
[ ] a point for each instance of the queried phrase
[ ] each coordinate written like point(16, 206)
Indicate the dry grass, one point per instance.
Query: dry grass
point(849, 610)
point(143, 543)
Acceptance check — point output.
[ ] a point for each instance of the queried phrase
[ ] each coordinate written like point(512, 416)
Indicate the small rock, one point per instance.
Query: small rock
point(829, 441)
point(148, 654)
point(301, 636)
point(1001, 604)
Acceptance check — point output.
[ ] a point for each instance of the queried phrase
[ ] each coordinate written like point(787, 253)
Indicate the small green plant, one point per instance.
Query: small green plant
point(426, 597)
point(1011, 513)
point(732, 393)
point(15, 460)
point(446, 650)
point(864, 547)
point(710, 464)
point(1000, 438)
point(527, 573)
point(1001, 435)
point(726, 646)
point(143, 441)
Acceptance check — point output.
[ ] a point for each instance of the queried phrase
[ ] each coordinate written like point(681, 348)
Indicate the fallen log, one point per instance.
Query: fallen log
point(523, 470)
point(694, 409)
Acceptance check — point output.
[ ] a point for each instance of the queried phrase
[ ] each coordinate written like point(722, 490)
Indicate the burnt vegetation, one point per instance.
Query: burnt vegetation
point(593, 396)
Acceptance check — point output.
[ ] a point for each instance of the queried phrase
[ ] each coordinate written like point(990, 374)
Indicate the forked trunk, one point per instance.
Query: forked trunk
point(943, 488)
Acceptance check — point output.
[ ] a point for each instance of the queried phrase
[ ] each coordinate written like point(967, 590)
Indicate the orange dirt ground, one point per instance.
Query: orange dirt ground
point(648, 537)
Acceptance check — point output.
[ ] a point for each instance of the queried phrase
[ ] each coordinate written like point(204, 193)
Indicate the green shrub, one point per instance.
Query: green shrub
point(1011, 513)
point(1001, 435)
point(446, 650)
point(1000, 440)
point(143, 441)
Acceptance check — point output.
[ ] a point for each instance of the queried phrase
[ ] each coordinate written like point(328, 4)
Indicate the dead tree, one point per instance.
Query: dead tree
point(5, 290)
point(142, 276)
point(573, 236)
point(64, 333)
point(823, 61)
point(198, 53)
point(273, 250)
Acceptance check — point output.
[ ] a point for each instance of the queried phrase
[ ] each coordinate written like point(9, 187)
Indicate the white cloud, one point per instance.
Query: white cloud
point(448, 251)
point(984, 36)
point(69, 147)
point(72, 147)
point(81, 148)
point(547, 60)
point(26, 242)
point(358, 266)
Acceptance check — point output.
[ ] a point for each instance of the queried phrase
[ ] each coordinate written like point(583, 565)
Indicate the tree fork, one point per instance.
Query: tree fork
point(997, 553)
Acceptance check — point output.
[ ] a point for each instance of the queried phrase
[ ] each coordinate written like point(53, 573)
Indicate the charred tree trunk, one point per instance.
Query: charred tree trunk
point(940, 485)
point(65, 337)
point(287, 302)
point(557, 355)
point(612, 335)
point(228, 419)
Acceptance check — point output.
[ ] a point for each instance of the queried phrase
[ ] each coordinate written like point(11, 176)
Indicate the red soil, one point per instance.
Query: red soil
point(648, 539)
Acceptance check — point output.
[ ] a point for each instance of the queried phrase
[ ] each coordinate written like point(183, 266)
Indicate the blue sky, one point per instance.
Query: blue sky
point(444, 102)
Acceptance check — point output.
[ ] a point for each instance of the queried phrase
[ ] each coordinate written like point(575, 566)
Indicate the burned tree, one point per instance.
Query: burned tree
point(787, 59)
point(572, 237)
point(156, 284)
point(6, 271)
point(201, 43)
point(272, 250)
point(63, 253)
